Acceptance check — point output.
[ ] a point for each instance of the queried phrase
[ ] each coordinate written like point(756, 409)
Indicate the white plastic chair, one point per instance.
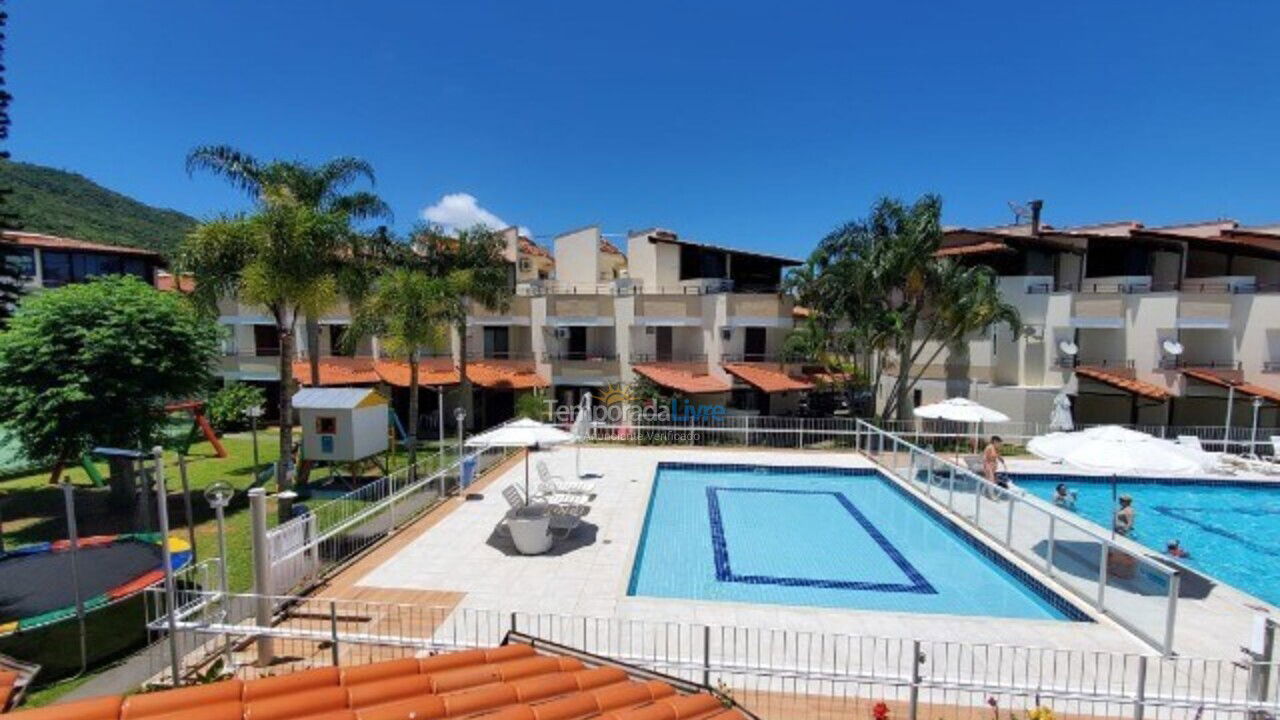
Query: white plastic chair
point(557, 485)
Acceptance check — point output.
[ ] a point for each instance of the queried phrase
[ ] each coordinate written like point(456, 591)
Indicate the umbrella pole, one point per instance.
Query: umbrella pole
point(1115, 505)
point(526, 476)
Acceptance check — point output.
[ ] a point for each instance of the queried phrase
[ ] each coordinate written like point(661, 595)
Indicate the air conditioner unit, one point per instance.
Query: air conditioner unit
point(562, 333)
point(650, 330)
point(726, 333)
point(1033, 332)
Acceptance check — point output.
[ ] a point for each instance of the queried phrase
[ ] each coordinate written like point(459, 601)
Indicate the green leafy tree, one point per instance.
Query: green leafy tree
point(227, 406)
point(531, 405)
point(92, 364)
point(879, 296)
point(478, 273)
point(408, 310)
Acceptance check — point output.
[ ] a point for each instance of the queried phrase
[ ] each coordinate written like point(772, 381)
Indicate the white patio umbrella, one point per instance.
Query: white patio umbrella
point(523, 433)
point(1060, 419)
point(581, 430)
point(1118, 450)
point(958, 409)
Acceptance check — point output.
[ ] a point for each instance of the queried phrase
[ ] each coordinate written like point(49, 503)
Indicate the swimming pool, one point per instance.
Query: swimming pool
point(827, 537)
point(1231, 529)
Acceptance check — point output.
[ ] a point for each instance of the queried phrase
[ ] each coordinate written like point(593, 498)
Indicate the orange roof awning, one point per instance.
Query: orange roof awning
point(691, 379)
point(1120, 382)
point(505, 375)
point(1214, 378)
point(432, 371)
point(978, 248)
point(338, 371)
point(769, 378)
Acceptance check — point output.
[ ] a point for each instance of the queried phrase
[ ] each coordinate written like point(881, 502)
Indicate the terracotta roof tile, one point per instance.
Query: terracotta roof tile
point(529, 247)
point(338, 371)
point(513, 681)
point(1137, 387)
point(182, 282)
point(686, 378)
point(505, 375)
point(608, 247)
point(1225, 380)
point(432, 371)
point(53, 242)
point(978, 248)
point(767, 377)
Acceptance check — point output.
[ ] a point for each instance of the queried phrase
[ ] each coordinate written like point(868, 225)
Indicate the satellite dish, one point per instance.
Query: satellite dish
point(1068, 348)
point(1173, 347)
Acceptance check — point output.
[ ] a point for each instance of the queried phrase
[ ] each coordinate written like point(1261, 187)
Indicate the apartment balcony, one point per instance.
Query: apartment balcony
point(764, 357)
point(763, 310)
point(711, 286)
point(581, 368)
point(668, 311)
point(236, 365)
point(1102, 312)
point(1271, 366)
point(473, 354)
point(1183, 363)
point(674, 357)
point(1207, 312)
point(584, 311)
point(519, 313)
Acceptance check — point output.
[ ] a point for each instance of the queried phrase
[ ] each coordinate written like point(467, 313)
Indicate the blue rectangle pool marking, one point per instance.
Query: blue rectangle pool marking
point(1058, 602)
point(1185, 514)
point(724, 571)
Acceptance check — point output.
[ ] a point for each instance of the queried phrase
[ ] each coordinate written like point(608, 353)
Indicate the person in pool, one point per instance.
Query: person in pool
point(1126, 516)
point(1175, 550)
point(1064, 497)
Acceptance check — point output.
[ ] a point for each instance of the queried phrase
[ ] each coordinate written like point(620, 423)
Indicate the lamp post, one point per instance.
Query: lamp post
point(170, 590)
point(1253, 434)
point(254, 413)
point(460, 414)
point(219, 495)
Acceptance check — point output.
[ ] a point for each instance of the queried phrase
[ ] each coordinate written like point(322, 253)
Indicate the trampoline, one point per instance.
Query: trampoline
point(38, 597)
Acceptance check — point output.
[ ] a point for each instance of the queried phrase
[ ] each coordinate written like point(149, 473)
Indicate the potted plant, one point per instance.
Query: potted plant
point(531, 529)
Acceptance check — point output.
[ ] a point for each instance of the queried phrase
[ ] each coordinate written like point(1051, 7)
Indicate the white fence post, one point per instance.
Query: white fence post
point(261, 571)
point(1140, 696)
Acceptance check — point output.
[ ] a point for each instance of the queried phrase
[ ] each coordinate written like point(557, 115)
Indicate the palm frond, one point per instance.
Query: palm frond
point(241, 169)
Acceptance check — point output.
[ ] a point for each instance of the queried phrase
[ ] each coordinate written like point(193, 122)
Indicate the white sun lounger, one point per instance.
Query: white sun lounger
point(565, 516)
point(556, 484)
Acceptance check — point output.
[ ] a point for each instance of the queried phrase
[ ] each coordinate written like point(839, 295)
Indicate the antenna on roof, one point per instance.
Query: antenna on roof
point(1030, 212)
point(1020, 212)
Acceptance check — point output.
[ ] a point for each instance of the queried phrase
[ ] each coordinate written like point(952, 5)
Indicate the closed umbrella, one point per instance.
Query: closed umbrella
point(1060, 419)
point(523, 433)
point(581, 430)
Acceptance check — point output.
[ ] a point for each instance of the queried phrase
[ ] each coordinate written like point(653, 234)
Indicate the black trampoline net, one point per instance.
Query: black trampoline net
point(32, 585)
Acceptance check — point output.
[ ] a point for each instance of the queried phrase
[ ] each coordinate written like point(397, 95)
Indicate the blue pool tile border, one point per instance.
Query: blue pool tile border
point(1140, 480)
point(724, 569)
point(1068, 608)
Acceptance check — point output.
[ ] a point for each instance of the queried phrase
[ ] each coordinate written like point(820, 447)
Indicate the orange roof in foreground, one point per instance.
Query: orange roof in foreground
point(691, 379)
point(504, 683)
point(1221, 380)
point(182, 282)
point(505, 375)
point(1137, 387)
point(767, 377)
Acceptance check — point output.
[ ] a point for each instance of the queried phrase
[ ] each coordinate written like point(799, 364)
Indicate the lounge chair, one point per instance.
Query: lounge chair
point(557, 485)
point(1223, 462)
point(566, 512)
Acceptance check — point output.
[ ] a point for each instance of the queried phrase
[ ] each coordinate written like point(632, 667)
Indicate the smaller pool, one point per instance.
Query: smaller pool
point(1231, 528)
point(827, 537)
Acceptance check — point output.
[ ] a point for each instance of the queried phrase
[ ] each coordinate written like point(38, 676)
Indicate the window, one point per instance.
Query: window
point(525, 265)
point(266, 341)
point(56, 268)
point(134, 266)
point(338, 335)
point(96, 264)
point(22, 260)
point(326, 425)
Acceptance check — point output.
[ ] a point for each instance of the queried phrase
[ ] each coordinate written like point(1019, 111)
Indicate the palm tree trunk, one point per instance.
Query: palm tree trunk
point(284, 479)
point(902, 386)
point(413, 413)
point(313, 349)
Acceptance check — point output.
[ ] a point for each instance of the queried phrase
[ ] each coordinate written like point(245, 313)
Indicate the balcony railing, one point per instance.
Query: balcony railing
point(765, 357)
point(1105, 288)
point(1180, 363)
point(669, 357)
point(579, 357)
point(1271, 366)
point(1070, 362)
point(498, 355)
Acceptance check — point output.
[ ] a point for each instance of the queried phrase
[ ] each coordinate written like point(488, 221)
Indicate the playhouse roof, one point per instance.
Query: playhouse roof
point(336, 398)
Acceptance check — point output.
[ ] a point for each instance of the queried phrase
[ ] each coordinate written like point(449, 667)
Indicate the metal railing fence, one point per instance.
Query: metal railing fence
point(770, 671)
point(302, 549)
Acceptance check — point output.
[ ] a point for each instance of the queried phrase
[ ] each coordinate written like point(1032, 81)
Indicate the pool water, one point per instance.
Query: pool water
point(820, 537)
point(1232, 530)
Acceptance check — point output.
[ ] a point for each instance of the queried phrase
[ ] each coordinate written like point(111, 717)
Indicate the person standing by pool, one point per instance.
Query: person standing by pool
point(990, 458)
point(1126, 516)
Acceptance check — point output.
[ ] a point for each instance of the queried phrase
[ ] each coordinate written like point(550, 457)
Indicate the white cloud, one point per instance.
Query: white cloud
point(458, 211)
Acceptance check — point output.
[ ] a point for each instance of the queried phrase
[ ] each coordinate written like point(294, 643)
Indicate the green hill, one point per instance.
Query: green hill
point(63, 203)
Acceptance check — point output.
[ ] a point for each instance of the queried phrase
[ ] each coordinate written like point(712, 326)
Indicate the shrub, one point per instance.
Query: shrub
point(227, 406)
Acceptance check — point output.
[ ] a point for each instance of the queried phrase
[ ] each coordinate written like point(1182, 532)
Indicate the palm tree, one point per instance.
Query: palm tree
point(472, 260)
point(409, 310)
point(319, 187)
point(294, 254)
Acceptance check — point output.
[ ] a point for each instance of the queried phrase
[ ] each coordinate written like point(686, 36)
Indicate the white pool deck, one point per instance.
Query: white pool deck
point(588, 576)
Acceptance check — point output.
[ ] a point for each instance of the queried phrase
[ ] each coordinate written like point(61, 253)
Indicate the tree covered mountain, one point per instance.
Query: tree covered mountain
point(57, 202)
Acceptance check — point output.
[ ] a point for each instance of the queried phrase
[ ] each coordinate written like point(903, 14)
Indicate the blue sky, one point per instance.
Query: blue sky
point(755, 125)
